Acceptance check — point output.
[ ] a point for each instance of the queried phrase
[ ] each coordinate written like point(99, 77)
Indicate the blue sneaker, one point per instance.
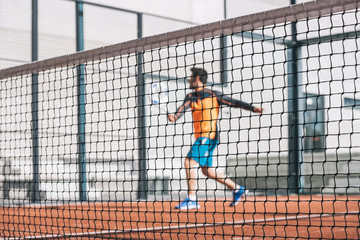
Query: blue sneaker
point(238, 195)
point(187, 204)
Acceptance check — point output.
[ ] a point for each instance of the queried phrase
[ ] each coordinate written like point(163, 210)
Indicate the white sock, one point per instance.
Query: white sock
point(192, 197)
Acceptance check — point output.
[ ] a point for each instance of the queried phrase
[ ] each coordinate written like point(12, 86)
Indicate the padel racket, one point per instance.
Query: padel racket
point(159, 95)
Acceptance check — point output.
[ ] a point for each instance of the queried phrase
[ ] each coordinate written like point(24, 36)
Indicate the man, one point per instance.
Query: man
point(205, 104)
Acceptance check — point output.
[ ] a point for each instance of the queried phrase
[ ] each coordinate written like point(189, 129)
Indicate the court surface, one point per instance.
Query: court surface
point(258, 217)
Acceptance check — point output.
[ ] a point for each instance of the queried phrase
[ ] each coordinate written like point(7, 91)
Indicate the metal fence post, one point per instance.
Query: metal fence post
point(142, 184)
point(35, 196)
point(81, 102)
point(293, 109)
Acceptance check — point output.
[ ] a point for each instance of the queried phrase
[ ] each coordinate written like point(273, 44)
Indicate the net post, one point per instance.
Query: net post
point(300, 124)
point(142, 184)
point(81, 102)
point(35, 196)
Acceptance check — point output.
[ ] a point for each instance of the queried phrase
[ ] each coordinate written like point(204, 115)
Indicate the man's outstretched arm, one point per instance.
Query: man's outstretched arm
point(171, 117)
point(258, 110)
point(226, 100)
point(181, 110)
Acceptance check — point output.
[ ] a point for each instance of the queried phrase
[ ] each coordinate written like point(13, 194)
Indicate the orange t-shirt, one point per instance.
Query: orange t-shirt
point(205, 105)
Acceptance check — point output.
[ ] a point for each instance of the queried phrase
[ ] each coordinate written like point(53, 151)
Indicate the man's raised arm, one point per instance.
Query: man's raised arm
point(181, 110)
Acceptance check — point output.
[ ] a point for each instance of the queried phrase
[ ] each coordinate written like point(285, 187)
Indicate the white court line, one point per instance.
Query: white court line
point(154, 229)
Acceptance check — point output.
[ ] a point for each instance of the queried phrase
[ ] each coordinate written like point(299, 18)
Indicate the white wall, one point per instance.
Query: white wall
point(104, 26)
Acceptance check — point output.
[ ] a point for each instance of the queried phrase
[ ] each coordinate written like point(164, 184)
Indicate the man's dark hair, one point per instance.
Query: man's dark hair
point(201, 73)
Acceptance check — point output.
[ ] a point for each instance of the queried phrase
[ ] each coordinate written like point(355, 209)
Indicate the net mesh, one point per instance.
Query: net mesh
point(88, 151)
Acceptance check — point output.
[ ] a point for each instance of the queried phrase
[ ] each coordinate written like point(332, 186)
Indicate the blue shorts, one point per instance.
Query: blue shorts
point(202, 151)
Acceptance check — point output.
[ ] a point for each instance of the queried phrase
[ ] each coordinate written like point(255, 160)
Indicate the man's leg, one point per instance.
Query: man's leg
point(221, 178)
point(191, 176)
point(238, 191)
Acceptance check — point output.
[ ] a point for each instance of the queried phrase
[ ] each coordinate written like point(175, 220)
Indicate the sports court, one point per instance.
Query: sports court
point(281, 217)
point(90, 148)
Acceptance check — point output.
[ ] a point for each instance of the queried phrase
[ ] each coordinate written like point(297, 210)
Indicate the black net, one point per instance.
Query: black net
point(130, 142)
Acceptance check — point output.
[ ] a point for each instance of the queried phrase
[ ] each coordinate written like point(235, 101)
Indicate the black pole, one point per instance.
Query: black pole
point(223, 60)
point(35, 196)
point(223, 54)
point(81, 102)
point(293, 118)
point(142, 184)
